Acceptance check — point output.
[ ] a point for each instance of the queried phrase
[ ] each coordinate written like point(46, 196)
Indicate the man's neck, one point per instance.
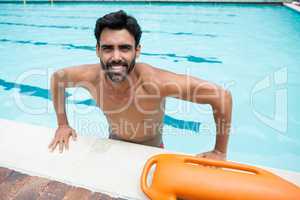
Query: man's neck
point(124, 86)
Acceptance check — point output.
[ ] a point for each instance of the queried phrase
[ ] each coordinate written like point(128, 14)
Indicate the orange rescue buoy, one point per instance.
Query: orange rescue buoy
point(193, 178)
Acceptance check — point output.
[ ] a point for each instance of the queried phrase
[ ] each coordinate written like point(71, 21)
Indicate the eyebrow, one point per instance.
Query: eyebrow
point(125, 46)
point(120, 46)
point(106, 46)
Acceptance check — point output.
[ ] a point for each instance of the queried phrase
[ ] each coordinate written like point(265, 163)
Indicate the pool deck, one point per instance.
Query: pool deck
point(93, 165)
point(19, 186)
point(295, 6)
point(92, 168)
point(288, 3)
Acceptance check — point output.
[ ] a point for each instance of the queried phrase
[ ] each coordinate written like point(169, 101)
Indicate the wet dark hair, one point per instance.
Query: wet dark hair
point(117, 21)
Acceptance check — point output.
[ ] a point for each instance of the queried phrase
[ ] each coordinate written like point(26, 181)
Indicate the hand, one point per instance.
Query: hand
point(215, 154)
point(61, 138)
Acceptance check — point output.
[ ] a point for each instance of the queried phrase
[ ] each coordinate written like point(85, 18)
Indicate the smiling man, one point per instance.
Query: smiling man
point(132, 95)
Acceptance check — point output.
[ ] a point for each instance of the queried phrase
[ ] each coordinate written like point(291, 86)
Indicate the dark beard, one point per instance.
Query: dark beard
point(117, 77)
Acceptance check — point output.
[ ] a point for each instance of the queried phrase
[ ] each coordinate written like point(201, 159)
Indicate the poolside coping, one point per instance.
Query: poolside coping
point(92, 167)
point(293, 6)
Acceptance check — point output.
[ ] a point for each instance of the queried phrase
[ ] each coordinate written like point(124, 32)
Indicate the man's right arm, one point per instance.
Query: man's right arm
point(82, 76)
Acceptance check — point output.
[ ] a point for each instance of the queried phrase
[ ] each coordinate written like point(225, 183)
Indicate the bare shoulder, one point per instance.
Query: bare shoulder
point(84, 72)
point(150, 73)
point(92, 71)
point(153, 78)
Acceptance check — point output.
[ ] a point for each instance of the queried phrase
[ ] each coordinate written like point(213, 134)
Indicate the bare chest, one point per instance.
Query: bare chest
point(135, 105)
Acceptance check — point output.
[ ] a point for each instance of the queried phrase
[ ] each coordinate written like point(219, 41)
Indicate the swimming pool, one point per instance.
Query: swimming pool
point(251, 49)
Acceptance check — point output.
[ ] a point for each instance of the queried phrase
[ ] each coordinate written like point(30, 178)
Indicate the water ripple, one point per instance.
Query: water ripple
point(174, 57)
point(47, 26)
point(91, 28)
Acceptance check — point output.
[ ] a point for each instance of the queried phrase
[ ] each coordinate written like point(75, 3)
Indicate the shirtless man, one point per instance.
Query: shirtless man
point(132, 95)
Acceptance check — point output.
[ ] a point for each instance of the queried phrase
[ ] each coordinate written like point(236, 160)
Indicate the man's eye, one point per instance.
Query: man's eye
point(125, 48)
point(106, 48)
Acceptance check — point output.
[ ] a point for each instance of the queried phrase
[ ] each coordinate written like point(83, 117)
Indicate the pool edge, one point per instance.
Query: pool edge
point(150, 1)
point(293, 6)
point(85, 156)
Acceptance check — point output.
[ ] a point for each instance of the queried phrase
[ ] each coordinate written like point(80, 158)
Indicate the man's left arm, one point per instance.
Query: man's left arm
point(203, 92)
point(222, 109)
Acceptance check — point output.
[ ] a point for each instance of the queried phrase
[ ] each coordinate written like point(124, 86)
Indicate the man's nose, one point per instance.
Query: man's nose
point(116, 55)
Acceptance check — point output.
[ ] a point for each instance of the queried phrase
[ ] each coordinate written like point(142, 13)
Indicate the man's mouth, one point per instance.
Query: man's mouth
point(118, 68)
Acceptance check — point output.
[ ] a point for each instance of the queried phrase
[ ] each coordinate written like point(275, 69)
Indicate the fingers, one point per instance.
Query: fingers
point(51, 144)
point(74, 135)
point(54, 144)
point(64, 144)
point(61, 146)
point(66, 141)
point(202, 155)
point(61, 140)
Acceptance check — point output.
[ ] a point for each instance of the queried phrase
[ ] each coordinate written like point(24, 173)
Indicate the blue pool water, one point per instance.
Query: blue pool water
point(254, 50)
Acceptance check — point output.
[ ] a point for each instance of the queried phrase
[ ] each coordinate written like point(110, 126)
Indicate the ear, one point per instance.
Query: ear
point(138, 51)
point(98, 50)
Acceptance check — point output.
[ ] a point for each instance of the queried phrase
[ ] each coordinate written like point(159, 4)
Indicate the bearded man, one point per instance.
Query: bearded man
point(132, 95)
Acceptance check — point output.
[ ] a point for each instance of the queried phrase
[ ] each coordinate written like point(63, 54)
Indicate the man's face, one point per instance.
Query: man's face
point(117, 53)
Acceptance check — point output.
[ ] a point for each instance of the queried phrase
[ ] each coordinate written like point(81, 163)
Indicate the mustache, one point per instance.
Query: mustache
point(114, 63)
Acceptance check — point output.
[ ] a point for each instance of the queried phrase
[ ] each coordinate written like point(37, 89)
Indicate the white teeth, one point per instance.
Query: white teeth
point(117, 67)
